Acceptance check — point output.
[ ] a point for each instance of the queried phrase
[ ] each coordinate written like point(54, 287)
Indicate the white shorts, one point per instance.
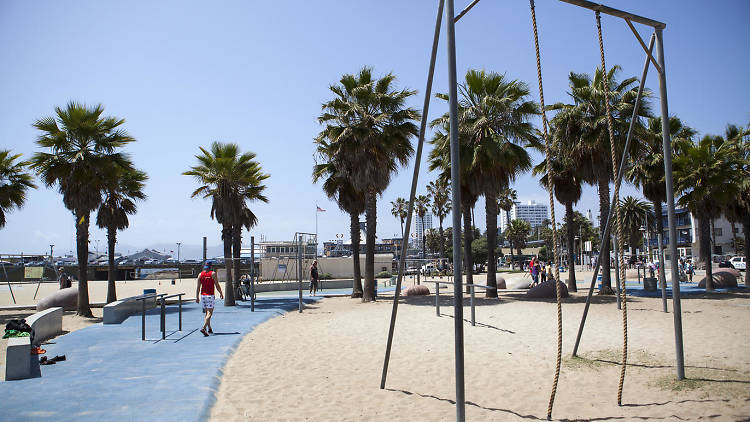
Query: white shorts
point(207, 301)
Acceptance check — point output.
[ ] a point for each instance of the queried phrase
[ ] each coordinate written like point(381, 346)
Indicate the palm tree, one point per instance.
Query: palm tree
point(518, 231)
point(123, 187)
point(494, 115)
point(567, 184)
point(230, 179)
point(587, 116)
point(400, 210)
point(14, 182)
point(83, 145)
point(633, 212)
point(440, 160)
point(338, 187)
point(738, 208)
point(705, 176)
point(647, 170)
point(370, 129)
point(505, 201)
point(439, 191)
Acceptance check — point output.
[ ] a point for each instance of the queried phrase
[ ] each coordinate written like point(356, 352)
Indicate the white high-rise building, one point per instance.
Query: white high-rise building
point(533, 213)
point(421, 225)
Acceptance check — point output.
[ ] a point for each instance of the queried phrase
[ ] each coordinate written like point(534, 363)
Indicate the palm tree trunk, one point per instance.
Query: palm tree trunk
point(354, 228)
point(713, 236)
point(236, 253)
point(510, 242)
point(704, 222)
point(226, 236)
point(442, 246)
point(569, 216)
point(82, 250)
point(468, 261)
point(659, 237)
point(490, 209)
point(603, 184)
point(111, 270)
point(368, 294)
point(402, 228)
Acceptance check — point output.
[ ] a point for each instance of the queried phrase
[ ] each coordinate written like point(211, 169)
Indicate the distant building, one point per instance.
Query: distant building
point(285, 249)
point(421, 225)
point(531, 212)
point(337, 248)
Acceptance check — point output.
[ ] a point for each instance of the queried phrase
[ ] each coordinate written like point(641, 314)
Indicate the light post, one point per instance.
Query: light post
point(51, 257)
point(179, 274)
point(97, 247)
point(339, 250)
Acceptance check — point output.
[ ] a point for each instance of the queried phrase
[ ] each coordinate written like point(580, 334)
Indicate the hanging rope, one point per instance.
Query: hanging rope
point(552, 214)
point(618, 220)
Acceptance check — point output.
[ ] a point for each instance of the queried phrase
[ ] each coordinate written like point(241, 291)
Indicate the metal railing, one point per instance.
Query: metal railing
point(162, 297)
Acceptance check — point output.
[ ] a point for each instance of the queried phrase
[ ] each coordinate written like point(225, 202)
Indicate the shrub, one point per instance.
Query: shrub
point(383, 274)
point(326, 276)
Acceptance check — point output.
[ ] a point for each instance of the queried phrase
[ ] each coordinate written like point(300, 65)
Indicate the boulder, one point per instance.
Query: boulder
point(418, 290)
point(501, 283)
point(723, 278)
point(547, 290)
point(517, 283)
point(64, 298)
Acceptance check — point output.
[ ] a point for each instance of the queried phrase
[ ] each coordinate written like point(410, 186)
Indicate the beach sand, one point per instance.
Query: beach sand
point(325, 364)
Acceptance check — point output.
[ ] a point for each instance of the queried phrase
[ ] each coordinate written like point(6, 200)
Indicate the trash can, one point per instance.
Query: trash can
point(649, 284)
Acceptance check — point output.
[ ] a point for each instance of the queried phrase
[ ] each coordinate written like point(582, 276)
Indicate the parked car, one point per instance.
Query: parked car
point(725, 264)
point(739, 263)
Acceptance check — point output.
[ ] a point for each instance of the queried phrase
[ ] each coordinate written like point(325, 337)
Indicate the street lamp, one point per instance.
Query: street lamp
point(178, 251)
point(50, 253)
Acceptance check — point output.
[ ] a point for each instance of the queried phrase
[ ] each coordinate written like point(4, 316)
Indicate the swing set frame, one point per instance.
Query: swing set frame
point(659, 65)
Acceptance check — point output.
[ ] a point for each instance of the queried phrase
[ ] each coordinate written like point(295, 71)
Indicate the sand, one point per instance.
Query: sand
point(325, 364)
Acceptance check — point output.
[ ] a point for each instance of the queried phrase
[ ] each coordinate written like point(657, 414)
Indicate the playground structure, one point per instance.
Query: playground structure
point(659, 64)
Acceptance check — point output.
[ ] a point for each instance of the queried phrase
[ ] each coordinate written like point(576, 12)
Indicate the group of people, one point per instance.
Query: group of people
point(540, 271)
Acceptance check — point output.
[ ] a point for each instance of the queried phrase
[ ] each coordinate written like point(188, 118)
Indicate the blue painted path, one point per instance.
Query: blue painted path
point(110, 374)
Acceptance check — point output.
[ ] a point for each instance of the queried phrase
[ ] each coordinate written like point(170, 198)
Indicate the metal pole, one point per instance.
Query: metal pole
point(163, 320)
point(458, 300)
point(143, 319)
point(179, 303)
point(617, 271)
point(299, 270)
point(204, 250)
point(252, 273)
point(472, 306)
point(620, 172)
point(662, 276)
point(667, 145)
point(415, 177)
point(437, 298)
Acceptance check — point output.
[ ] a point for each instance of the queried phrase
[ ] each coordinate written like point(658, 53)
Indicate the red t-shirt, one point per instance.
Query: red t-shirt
point(207, 282)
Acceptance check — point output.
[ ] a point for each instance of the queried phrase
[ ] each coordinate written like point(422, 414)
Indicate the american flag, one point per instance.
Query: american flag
point(319, 209)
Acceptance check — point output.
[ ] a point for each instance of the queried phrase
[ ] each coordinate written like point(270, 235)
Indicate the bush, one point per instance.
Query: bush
point(326, 276)
point(383, 274)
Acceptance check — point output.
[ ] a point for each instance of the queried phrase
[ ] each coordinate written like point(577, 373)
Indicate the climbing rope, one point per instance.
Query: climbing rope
point(618, 220)
point(552, 214)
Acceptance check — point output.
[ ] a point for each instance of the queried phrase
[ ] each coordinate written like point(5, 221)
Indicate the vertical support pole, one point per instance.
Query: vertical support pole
point(437, 298)
point(143, 319)
point(667, 145)
point(415, 177)
point(617, 271)
point(458, 300)
point(252, 273)
point(179, 303)
point(204, 250)
point(163, 320)
point(472, 306)
point(299, 270)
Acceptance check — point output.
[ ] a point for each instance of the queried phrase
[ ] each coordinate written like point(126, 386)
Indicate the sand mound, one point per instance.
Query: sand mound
point(501, 283)
point(547, 290)
point(419, 290)
point(517, 283)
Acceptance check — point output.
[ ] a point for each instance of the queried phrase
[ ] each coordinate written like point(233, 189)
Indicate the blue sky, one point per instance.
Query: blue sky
point(186, 73)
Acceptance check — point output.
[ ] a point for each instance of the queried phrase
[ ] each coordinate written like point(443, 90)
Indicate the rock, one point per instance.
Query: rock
point(501, 283)
point(547, 290)
point(723, 278)
point(65, 298)
point(418, 290)
point(517, 283)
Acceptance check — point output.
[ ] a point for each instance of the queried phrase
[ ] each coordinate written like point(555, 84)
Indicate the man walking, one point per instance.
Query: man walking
point(204, 294)
point(314, 278)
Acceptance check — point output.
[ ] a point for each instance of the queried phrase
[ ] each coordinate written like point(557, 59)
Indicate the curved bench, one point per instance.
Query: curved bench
point(46, 324)
point(118, 311)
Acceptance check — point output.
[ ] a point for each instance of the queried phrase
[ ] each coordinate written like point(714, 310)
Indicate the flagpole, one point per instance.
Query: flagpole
point(316, 230)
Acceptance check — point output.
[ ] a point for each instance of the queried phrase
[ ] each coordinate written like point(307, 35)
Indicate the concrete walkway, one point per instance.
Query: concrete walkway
point(110, 374)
